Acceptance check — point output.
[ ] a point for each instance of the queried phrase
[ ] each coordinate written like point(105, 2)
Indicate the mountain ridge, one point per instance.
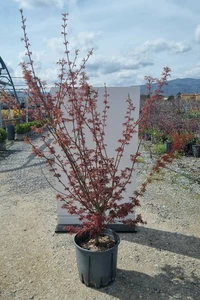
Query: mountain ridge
point(178, 85)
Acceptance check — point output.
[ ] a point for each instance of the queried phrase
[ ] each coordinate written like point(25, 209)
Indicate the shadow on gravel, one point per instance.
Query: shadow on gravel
point(164, 240)
point(172, 283)
point(25, 166)
point(28, 159)
point(5, 154)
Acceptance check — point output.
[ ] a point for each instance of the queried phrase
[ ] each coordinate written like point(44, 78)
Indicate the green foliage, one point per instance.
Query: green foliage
point(192, 141)
point(37, 124)
point(23, 128)
point(160, 148)
point(178, 154)
point(193, 114)
point(157, 135)
point(26, 127)
point(198, 142)
point(140, 160)
point(3, 135)
point(169, 139)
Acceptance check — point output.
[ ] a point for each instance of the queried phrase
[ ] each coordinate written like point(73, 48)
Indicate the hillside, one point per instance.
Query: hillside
point(184, 86)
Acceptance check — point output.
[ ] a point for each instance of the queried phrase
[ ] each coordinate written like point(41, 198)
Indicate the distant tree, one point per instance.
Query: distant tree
point(171, 97)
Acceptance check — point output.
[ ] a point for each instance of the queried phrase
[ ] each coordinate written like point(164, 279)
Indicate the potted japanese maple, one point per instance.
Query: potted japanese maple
point(94, 182)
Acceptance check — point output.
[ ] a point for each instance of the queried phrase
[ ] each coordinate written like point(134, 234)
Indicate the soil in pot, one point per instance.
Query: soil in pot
point(104, 243)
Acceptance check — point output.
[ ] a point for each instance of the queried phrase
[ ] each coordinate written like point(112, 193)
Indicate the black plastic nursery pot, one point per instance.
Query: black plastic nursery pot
point(196, 150)
point(3, 146)
point(168, 146)
point(147, 136)
point(11, 132)
point(97, 268)
point(188, 149)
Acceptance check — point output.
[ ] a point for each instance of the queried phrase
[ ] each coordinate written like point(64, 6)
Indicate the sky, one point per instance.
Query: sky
point(131, 38)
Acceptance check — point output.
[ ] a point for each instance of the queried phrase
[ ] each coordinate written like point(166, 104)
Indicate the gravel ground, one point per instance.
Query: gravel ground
point(160, 261)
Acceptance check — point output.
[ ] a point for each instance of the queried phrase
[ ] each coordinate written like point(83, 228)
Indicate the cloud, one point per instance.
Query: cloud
point(50, 75)
point(84, 41)
point(124, 74)
point(40, 3)
point(122, 78)
point(37, 57)
point(197, 33)
point(88, 40)
point(114, 71)
point(9, 67)
point(193, 72)
point(130, 77)
point(161, 45)
point(114, 64)
point(55, 44)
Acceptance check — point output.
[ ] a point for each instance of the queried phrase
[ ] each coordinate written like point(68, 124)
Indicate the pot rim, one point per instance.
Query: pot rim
point(117, 240)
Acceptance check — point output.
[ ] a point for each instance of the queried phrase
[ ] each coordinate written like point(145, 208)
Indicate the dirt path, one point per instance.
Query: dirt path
point(160, 261)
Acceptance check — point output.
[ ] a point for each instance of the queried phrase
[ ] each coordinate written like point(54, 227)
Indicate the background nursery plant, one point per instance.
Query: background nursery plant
point(94, 183)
